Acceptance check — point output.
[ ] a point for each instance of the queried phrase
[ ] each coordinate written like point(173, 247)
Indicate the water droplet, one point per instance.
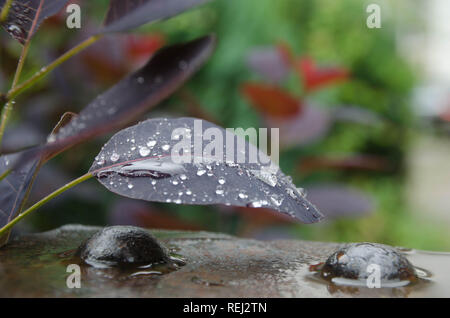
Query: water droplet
point(255, 204)
point(276, 200)
point(301, 192)
point(266, 175)
point(101, 160)
point(243, 196)
point(291, 193)
point(151, 143)
point(144, 151)
point(115, 157)
point(183, 65)
point(201, 172)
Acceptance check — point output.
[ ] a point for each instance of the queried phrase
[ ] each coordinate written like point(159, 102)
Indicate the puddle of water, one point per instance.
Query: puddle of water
point(174, 263)
point(438, 265)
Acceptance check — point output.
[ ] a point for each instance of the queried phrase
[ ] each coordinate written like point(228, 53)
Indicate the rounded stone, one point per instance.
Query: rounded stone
point(353, 261)
point(122, 246)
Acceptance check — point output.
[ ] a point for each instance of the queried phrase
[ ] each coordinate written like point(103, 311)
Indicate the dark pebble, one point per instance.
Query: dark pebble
point(352, 262)
point(122, 246)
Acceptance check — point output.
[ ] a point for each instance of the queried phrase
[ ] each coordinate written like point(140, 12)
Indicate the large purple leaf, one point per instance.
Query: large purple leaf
point(143, 162)
point(14, 187)
point(128, 14)
point(22, 13)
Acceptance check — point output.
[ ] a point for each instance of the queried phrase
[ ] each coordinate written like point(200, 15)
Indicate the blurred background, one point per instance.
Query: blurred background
point(364, 114)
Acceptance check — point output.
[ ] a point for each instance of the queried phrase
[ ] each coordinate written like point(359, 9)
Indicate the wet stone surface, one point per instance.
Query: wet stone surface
point(122, 246)
point(215, 265)
point(359, 261)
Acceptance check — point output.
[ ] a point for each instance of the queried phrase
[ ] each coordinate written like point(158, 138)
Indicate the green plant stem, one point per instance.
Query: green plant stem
point(5, 10)
point(6, 112)
point(5, 174)
point(4, 119)
point(37, 205)
point(13, 93)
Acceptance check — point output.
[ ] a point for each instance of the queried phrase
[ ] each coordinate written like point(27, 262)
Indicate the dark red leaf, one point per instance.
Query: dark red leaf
point(142, 46)
point(315, 78)
point(271, 100)
point(102, 67)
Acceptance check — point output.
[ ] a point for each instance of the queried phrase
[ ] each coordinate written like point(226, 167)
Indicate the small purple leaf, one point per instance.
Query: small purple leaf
point(22, 13)
point(269, 63)
point(128, 14)
point(146, 162)
point(337, 200)
point(306, 127)
point(357, 115)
